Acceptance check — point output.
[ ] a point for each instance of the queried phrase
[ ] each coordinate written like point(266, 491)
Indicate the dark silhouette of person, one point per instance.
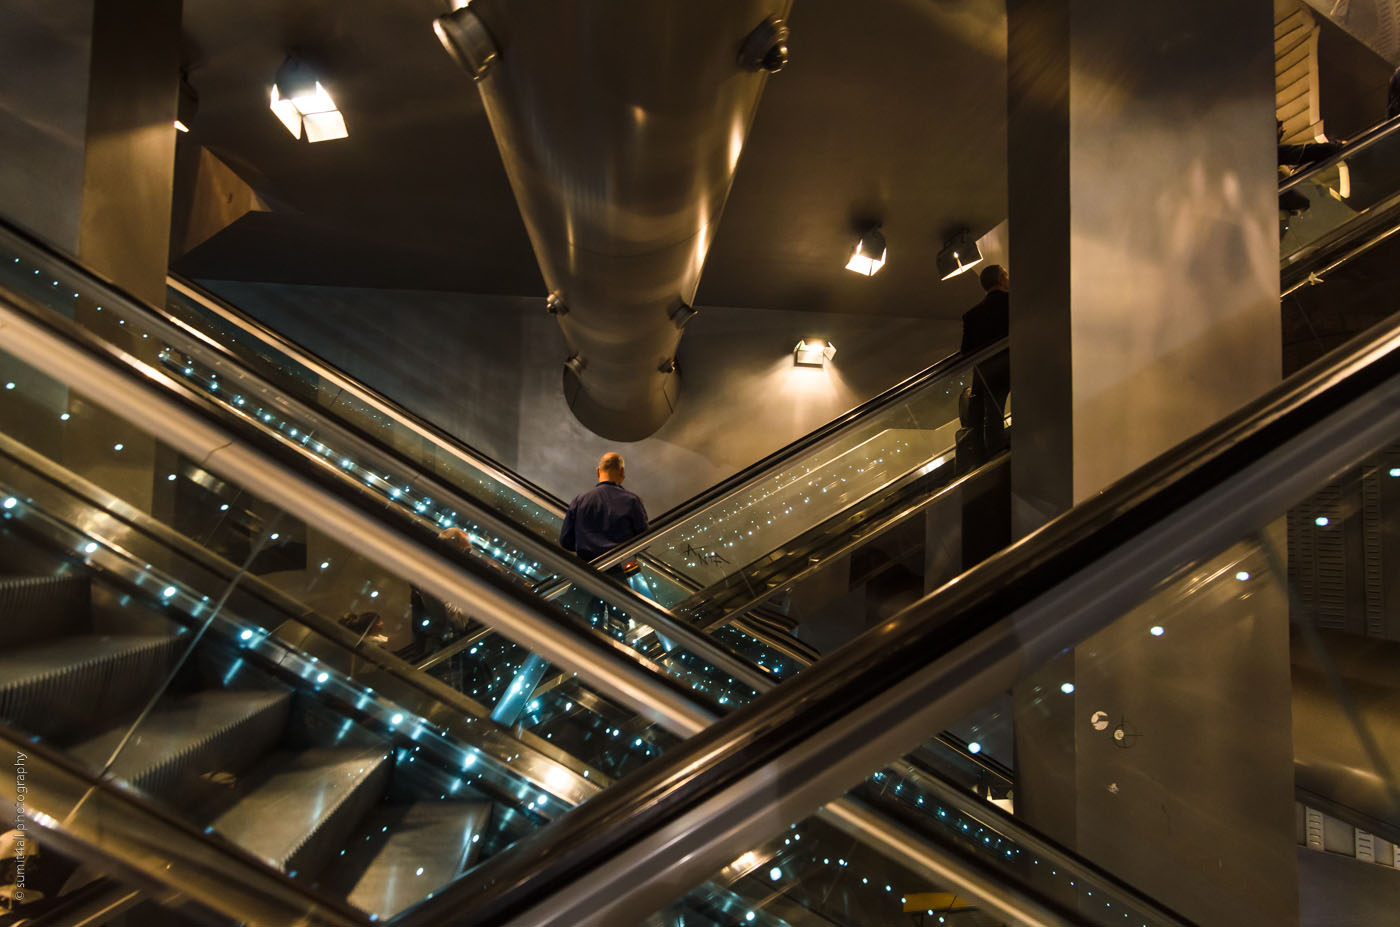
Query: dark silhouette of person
point(1299, 156)
point(597, 521)
point(986, 499)
point(984, 325)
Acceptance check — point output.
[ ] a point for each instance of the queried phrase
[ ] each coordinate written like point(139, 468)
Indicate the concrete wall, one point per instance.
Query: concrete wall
point(488, 369)
point(452, 359)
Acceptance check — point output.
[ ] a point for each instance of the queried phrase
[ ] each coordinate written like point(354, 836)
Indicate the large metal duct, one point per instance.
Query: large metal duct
point(620, 123)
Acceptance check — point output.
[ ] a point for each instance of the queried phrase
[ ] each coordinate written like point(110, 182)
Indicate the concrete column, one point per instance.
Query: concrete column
point(128, 173)
point(1144, 251)
point(1144, 232)
point(88, 95)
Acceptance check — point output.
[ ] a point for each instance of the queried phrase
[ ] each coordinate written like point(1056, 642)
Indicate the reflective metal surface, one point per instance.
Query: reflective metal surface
point(620, 124)
point(1017, 611)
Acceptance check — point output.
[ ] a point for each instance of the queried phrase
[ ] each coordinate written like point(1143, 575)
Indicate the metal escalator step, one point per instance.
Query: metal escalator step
point(297, 808)
point(403, 852)
point(38, 608)
point(191, 745)
point(61, 688)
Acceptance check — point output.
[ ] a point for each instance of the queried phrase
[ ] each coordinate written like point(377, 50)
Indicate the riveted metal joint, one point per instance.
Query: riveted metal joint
point(467, 40)
point(682, 314)
point(576, 364)
point(667, 366)
point(555, 306)
point(766, 47)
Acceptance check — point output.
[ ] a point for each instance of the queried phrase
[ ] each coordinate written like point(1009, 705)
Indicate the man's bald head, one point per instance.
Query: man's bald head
point(611, 467)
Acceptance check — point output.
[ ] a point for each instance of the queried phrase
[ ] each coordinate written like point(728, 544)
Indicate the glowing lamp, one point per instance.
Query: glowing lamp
point(302, 103)
point(958, 256)
point(869, 254)
point(813, 352)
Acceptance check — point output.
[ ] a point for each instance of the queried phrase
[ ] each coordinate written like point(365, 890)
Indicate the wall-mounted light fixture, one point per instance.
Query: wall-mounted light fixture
point(813, 352)
point(869, 254)
point(187, 105)
point(302, 102)
point(959, 255)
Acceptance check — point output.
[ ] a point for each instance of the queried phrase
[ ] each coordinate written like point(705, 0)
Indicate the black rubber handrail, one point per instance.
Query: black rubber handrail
point(752, 738)
point(1371, 136)
point(395, 520)
point(496, 469)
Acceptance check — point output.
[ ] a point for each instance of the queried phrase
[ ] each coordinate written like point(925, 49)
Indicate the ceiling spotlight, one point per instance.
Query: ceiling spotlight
point(187, 106)
point(301, 101)
point(869, 254)
point(960, 254)
point(813, 352)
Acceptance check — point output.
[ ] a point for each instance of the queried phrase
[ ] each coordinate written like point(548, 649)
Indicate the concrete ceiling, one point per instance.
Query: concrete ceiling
point(891, 110)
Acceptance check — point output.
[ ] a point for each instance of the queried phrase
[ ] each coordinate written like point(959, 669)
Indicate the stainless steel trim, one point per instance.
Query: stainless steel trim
point(1319, 276)
point(217, 450)
point(688, 847)
point(1006, 897)
point(62, 498)
point(566, 567)
point(756, 472)
point(119, 833)
point(96, 909)
point(863, 534)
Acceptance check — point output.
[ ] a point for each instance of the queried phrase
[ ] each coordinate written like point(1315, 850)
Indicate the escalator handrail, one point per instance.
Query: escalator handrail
point(271, 889)
point(503, 474)
point(1378, 132)
point(343, 381)
point(879, 694)
point(431, 696)
point(206, 430)
point(179, 407)
point(570, 570)
point(758, 471)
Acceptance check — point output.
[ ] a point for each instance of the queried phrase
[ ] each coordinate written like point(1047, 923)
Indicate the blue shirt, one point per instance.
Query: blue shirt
point(602, 518)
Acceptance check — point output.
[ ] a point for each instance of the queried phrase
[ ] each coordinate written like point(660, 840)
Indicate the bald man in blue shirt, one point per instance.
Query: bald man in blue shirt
point(605, 516)
point(599, 520)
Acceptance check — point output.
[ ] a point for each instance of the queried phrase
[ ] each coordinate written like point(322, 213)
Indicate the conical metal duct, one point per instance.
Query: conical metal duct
point(620, 123)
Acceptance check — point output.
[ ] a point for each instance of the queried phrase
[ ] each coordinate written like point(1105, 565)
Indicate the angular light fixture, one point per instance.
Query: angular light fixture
point(959, 255)
point(869, 254)
point(813, 352)
point(302, 102)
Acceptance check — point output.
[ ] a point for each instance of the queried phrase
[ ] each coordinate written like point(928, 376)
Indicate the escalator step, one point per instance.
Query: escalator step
point(58, 688)
point(297, 808)
point(402, 852)
point(39, 608)
point(191, 746)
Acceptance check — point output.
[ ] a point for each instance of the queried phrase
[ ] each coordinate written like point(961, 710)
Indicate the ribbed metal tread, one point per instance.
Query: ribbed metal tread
point(297, 808)
point(38, 608)
point(404, 852)
point(59, 688)
point(190, 744)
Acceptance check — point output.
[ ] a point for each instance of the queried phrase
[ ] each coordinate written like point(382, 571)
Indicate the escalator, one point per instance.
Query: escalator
point(278, 709)
point(1173, 590)
point(190, 664)
point(879, 466)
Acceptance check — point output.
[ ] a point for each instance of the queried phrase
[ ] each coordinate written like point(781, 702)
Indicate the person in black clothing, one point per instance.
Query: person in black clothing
point(986, 499)
point(984, 325)
point(599, 520)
